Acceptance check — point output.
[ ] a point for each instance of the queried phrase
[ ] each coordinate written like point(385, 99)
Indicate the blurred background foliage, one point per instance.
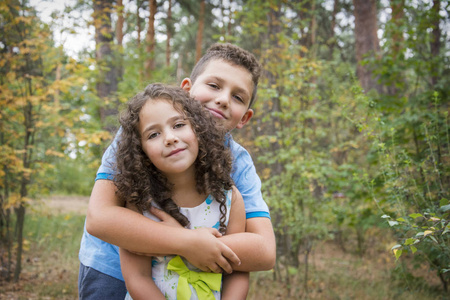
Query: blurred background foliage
point(350, 135)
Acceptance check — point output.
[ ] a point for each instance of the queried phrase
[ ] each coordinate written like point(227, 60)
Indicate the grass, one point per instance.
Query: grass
point(50, 268)
point(334, 274)
point(50, 260)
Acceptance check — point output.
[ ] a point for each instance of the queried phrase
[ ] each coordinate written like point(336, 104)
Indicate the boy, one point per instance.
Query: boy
point(225, 82)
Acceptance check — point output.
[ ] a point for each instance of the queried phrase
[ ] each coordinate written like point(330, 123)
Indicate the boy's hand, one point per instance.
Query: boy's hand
point(208, 253)
point(165, 218)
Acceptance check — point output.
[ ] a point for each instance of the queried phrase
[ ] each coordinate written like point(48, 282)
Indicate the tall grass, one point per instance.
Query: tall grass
point(50, 267)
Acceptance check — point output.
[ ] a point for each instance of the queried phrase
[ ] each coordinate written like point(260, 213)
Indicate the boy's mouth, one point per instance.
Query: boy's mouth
point(217, 113)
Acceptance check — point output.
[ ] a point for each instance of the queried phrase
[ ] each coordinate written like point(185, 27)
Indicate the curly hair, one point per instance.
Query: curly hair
point(140, 183)
point(233, 55)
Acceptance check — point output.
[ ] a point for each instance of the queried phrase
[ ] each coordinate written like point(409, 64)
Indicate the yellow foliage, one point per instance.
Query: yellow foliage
point(51, 152)
point(14, 200)
point(26, 245)
point(266, 173)
point(427, 232)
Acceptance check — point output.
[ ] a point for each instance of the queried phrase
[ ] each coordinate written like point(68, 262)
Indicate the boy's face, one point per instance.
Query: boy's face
point(225, 90)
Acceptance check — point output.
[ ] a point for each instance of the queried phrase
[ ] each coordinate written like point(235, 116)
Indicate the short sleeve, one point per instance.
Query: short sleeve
point(106, 169)
point(247, 182)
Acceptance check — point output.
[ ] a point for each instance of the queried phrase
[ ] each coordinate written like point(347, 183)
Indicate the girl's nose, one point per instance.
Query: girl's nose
point(170, 139)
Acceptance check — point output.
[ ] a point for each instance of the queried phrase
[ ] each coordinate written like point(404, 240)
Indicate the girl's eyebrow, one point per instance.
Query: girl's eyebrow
point(170, 120)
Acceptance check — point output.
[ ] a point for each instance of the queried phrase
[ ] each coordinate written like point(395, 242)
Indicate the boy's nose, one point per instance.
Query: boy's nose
point(223, 100)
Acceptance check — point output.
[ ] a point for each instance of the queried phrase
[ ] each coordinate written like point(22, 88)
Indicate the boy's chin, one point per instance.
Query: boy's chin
point(223, 123)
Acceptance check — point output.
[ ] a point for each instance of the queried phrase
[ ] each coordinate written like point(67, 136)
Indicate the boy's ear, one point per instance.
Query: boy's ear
point(186, 84)
point(245, 118)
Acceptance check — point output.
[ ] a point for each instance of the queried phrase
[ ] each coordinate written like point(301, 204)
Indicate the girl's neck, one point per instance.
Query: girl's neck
point(184, 192)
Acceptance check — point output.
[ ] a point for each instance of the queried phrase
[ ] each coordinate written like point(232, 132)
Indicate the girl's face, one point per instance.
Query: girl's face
point(167, 137)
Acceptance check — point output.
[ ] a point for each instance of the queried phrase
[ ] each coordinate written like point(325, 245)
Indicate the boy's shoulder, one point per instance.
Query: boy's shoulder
point(238, 152)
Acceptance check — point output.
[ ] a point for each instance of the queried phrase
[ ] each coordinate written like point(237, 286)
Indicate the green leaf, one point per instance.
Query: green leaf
point(385, 216)
point(397, 253)
point(401, 220)
point(445, 208)
point(433, 238)
point(443, 202)
point(413, 249)
point(415, 216)
point(410, 241)
point(447, 229)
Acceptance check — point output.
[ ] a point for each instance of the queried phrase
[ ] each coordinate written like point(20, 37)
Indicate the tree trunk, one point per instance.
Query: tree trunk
point(366, 39)
point(274, 30)
point(435, 43)
point(313, 27)
point(107, 80)
point(20, 220)
point(397, 20)
point(397, 7)
point(201, 24)
point(138, 22)
point(332, 38)
point(119, 37)
point(25, 180)
point(169, 33)
point(149, 65)
point(120, 21)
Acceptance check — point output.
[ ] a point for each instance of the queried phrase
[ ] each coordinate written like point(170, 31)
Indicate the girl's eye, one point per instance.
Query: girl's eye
point(153, 135)
point(179, 125)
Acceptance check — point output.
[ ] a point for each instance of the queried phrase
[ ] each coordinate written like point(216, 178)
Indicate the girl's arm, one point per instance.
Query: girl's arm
point(109, 220)
point(137, 272)
point(235, 285)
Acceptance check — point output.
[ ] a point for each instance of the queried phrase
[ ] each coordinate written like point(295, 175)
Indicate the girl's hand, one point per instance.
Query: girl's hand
point(205, 251)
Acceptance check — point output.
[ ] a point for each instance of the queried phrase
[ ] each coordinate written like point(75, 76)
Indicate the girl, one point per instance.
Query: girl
point(171, 156)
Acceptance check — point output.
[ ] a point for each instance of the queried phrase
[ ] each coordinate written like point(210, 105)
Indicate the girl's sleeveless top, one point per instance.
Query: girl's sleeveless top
point(206, 214)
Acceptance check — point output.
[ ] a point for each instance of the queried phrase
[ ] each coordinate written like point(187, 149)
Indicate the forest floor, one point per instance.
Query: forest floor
point(50, 265)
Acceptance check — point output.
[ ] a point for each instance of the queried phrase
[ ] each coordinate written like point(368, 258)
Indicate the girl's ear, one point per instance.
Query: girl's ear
point(186, 84)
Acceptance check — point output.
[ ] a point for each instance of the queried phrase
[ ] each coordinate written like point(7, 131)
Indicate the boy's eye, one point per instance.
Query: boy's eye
point(239, 98)
point(213, 85)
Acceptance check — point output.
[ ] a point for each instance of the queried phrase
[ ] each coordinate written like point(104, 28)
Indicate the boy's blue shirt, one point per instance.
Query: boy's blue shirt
point(104, 257)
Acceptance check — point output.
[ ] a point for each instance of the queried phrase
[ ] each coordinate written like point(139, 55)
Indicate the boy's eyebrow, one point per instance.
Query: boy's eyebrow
point(239, 89)
point(170, 120)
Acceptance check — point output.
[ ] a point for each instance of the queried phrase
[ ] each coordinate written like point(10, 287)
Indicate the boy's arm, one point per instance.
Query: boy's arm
point(235, 285)
point(137, 272)
point(109, 220)
point(256, 247)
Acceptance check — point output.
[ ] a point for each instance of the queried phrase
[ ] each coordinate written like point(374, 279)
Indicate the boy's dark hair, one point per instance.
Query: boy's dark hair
point(139, 182)
point(234, 55)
